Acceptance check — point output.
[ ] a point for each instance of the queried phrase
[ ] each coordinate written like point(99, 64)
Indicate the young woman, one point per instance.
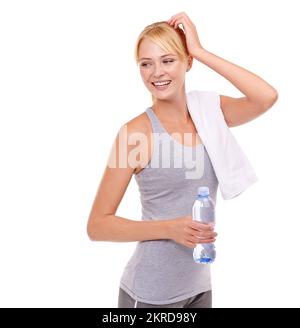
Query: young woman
point(162, 272)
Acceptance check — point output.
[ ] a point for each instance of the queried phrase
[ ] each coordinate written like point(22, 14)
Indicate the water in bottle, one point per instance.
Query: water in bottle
point(204, 211)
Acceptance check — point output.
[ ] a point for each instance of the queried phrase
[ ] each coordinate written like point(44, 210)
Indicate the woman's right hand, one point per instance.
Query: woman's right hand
point(188, 232)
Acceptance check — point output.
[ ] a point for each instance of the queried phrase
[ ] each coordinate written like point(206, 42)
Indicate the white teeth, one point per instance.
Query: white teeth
point(162, 83)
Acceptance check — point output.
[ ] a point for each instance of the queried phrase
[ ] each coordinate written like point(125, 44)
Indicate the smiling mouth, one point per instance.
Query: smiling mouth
point(161, 85)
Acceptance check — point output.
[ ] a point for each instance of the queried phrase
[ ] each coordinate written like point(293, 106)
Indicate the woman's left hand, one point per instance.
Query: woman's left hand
point(192, 39)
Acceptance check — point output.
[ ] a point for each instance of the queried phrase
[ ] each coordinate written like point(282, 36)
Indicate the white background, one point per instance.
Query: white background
point(68, 81)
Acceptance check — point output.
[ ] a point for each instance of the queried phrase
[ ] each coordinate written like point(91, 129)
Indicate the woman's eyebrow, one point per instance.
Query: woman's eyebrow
point(160, 56)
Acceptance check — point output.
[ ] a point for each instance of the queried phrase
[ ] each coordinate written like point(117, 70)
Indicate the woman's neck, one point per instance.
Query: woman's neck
point(175, 111)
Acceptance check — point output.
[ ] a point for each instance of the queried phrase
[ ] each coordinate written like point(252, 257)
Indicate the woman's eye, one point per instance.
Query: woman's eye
point(168, 61)
point(165, 61)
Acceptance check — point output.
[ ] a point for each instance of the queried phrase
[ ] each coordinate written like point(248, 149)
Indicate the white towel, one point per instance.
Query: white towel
point(232, 168)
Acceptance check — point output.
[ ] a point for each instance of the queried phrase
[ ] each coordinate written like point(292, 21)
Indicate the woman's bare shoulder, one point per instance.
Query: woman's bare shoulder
point(140, 123)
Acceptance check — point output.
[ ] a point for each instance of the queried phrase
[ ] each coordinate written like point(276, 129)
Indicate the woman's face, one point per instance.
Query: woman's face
point(163, 73)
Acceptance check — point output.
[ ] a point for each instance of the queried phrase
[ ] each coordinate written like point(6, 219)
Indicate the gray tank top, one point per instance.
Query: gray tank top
point(163, 271)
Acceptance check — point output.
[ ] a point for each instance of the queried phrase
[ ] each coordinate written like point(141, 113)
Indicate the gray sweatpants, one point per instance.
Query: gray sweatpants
point(202, 300)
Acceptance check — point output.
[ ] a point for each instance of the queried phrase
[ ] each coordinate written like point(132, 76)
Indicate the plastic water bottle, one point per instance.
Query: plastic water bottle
point(204, 211)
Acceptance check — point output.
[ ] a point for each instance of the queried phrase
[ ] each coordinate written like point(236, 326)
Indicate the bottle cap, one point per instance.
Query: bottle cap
point(203, 191)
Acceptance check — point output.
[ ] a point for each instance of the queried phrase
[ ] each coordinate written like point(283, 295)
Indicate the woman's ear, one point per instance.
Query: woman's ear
point(190, 63)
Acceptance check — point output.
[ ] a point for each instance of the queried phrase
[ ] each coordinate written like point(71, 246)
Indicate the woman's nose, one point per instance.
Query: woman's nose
point(158, 71)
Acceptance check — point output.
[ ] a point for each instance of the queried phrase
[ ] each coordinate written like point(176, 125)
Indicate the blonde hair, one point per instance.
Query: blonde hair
point(166, 37)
